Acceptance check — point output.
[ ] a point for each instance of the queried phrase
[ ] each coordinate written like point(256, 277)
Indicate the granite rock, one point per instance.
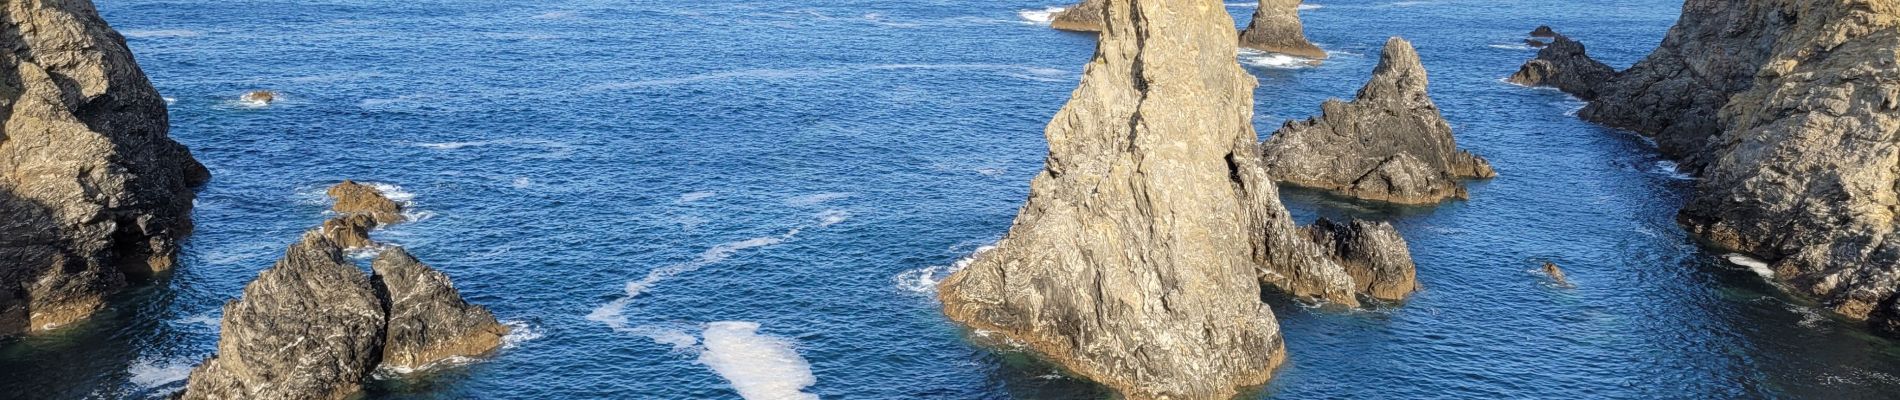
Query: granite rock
point(428, 320)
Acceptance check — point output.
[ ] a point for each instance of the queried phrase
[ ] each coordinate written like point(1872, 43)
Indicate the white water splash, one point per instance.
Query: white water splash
point(1040, 17)
point(760, 367)
point(149, 373)
point(1274, 60)
point(924, 280)
point(518, 332)
point(1758, 266)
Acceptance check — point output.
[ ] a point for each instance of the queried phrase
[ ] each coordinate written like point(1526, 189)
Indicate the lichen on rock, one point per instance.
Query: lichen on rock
point(1390, 144)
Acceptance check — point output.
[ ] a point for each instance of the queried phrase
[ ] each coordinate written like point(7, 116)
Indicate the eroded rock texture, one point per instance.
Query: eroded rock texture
point(350, 231)
point(355, 198)
point(1134, 261)
point(1564, 64)
point(91, 187)
point(428, 320)
point(1390, 144)
point(310, 327)
point(314, 326)
point(1374, 254)
point(1787, 111)
point(1082, 17)
point(1276, 28)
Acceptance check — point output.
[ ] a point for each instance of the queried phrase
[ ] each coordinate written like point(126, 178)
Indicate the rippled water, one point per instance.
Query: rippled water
point(702, 199)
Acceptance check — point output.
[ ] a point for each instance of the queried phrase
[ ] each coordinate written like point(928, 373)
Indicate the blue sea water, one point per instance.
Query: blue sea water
point(698, 199)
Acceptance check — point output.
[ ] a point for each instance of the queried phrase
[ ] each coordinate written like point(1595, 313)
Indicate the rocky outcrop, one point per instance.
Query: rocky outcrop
point(310, 327)
point(1556, 274)
point(314, 326)
point(1276, 28)
point(354, 198)
point(1544, 31)
point(92, 188)
point(1138, 260)
point(1082, 17)
point(1786, 109)
point(1374, 254)
point(350, 231)
point(1564, 64)
point(428, 320)
point(1390, 144)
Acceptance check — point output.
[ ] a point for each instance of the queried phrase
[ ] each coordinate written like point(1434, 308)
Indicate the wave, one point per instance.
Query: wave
point(696, 196)
point(148, 373)
point(519, 332)
point(1274, 60)
point(1040, 17)
point(1671, 170)
point(758, 366)
point(614, 312)
point(924, 280)
point(1518, 46)
point(816, 199)
point(1759, 267)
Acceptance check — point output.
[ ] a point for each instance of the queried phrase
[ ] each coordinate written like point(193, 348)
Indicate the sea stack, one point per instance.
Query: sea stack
point(1390, 144)
point(1564, 64)
point(1082, 17)
point(1378, 259)
point(1276, 28)
point(1787, 111)
point(1153, 187)
point(92, 188)
point(355, 198)
point(314, 326)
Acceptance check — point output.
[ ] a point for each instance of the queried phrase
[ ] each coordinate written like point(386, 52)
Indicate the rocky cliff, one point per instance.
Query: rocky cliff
point(1788, 113)
point(1276, 28)
point(1082, 17)
point(1390, 144)
point(1138, 259)
point(93, 189)
point(314, 326)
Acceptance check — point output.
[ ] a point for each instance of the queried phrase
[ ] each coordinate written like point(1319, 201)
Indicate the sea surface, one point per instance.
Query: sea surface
point(724, 199)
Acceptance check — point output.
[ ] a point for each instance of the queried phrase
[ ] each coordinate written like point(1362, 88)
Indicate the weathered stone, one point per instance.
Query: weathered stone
point(1536, 44)
point(1786, 111)
point(91, 187)
point(1378, 259)
point(1276, 28)
point(310, 327)
point(1544, 32)
point(356, 198)
point(1082, 17)
point(1390, 144)
point(350, 231)
point(428, 320)
point(1565, 64)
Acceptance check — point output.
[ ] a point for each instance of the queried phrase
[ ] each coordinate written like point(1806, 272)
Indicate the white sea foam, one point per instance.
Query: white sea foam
point(816, 199)
point(554, 15)
point(1517, 46)
point(519, 332)
point(1758, 266)
point(1274, 60)
point(206, 319)
point(614, 312)
point(758, 366)
point(924, 280)
point(696, 196)
point(148, 373)
point(1670, 169)
point(1040, 17)
point(171, 100)
point(160, 33)
point(522, 183)
point(678, 338)
point(832, 217)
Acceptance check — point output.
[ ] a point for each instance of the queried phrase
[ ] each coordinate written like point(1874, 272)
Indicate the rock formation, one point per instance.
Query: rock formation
point(355, 198)
point(1544, 31)
point(262, 97)
point(1787, 110)
point(92, 189)
point(1134, 261)
point(1390, 144)
point(1556, 274)
point(1373, 253)
point(309, 327)
point(350, 231)
point(428, 320)
point(314, 326)
point(1564, 64)
point(1276, 28)
point(1082, 17)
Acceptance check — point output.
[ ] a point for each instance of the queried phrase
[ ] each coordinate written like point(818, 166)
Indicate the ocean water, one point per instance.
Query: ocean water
point(717, 199)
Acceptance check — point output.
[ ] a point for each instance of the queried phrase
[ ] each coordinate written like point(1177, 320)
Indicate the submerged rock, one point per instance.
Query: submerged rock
point(355, 198)
point(93, 191)
point(1390, 144)
point(1556, 274)
point(428, 320)
point(1787, 111)
point(1565, 64)
point(1276, 28)
point(1083, 17)
point(262, 97)
point(1373, 253)
point(309, 327)
point(314, 326)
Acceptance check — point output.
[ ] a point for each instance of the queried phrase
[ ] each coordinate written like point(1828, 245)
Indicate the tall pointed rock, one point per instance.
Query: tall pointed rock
point(1276, 27)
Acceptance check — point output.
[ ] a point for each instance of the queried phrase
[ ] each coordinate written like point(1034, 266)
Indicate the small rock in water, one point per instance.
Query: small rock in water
point(1544, 32)
point(1556, 274)
point(356, 198)
point(350, 231)
point(259, 97)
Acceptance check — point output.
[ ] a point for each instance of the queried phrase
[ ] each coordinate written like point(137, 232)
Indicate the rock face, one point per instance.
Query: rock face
point(1390, 144)
point(350, 231)
point(310, 327)
point(428, 320)
point(314, 326)
point(1082, 17)
point(1565, 64)
point(91, 187)
point(355, 198)
point(1788, 112)
point(1276, 28)
point(1373, 253)
point(1138, 260)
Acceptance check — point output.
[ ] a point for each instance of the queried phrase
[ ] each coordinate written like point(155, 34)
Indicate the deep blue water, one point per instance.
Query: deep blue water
point(807, 165)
